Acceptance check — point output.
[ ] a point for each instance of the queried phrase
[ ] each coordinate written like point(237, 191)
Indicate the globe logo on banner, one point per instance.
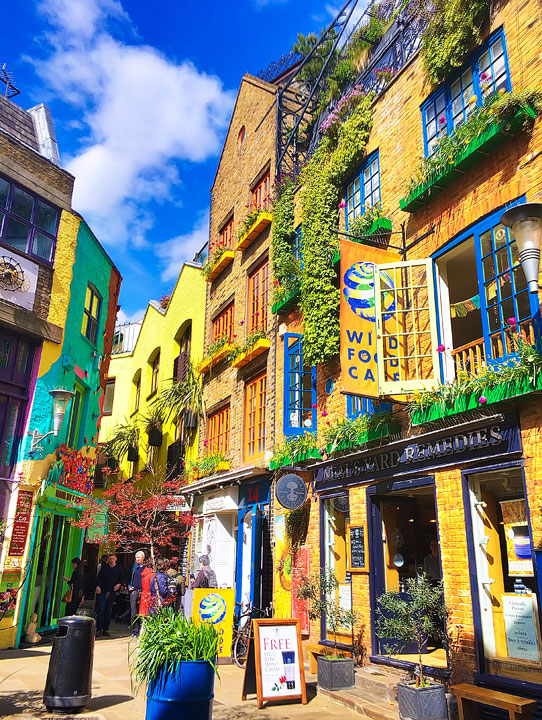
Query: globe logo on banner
point(360, 294)
point(212, 608)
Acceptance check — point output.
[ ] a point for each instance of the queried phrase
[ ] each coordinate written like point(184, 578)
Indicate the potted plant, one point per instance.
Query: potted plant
point(153, 423)
point(123, 441)
point(176, 659)
point(335, 672)
point(412, 617)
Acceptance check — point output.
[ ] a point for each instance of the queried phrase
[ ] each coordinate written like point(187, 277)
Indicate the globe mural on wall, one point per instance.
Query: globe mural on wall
point(212, 608)
point(360, 294)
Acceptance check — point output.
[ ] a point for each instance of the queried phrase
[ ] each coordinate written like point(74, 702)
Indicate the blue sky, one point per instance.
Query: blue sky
point(141, 94)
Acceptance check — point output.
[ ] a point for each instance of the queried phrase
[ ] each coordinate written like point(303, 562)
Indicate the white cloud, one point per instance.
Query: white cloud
point(143, 113)
point(123, 317)
point(183, 247)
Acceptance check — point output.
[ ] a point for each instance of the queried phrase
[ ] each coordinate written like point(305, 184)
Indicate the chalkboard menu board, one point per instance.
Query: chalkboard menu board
point(357, 548)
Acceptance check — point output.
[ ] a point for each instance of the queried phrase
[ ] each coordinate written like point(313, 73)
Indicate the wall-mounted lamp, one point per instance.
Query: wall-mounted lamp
point(61, 398)
point(525, 222)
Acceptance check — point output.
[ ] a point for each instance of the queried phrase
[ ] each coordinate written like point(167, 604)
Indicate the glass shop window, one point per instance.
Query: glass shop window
point(336, 519)
point(505, 570)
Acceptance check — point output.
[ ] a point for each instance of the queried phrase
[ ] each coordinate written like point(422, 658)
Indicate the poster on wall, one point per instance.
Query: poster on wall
point(517, 538)
point(274, 668)
point(300, 607)
point(358, 319)
point(21, 523)
point(282, 597)
point(9, 585)
point(520, 623)
point(216, 606)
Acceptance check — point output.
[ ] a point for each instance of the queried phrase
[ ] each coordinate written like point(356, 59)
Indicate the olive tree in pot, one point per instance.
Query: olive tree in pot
point(335, 672)
point(415, 616)
point(176, 659)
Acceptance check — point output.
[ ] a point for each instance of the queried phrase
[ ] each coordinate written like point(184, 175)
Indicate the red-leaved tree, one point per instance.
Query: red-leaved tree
point(141, 513)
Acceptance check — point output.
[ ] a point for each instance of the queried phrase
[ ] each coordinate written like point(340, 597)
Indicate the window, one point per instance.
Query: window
point(258, 288)
point(452, 105)
point(218, 432)
point(260, 194)
point(255, 400)
point(299, 389)
point(76, 413)
point(109, 396)
point(357, 405)
point(363, 190)
point(27, 223)
point(181, 363)
point(155, 369)
point(223, 324)
point(91, 314)
point(241, 136)
point(137, 391)
point(225, 236)
point(336, 512)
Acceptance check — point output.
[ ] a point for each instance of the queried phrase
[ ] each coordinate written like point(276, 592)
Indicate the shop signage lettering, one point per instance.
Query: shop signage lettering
point(519, 620)
point(487, 441)
point(23, 512)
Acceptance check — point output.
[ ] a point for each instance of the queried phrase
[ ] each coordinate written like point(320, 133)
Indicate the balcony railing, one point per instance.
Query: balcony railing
point(125, 337)
point(470, 358)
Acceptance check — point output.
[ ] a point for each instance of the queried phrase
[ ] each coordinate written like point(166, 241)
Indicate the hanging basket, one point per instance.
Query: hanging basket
point(155, 438)
point(133, 455)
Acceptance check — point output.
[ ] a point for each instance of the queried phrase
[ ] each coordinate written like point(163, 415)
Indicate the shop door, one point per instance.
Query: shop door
point(249, 556)
point(50, 573)
point(41, 553)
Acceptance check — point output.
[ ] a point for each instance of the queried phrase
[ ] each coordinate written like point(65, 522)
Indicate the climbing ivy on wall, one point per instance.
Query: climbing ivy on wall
point(322, 185)
point(453, 30)
point(283, 230)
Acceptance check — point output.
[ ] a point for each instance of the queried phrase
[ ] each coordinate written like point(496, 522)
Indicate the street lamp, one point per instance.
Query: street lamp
point(525, 222)
point(61, 398)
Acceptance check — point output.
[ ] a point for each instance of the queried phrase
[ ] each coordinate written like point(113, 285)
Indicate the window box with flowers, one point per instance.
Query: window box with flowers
point(521, 373)
point(205, 466)
point(252, 226)
point(286, 297)
point(219, 260)
point(346, 433)
point(500, 117)
point(256, 344)
point(216, 353)
point(295, 451)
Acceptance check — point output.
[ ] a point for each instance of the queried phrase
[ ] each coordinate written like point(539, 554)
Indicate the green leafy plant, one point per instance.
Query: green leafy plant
point(294, 447)
point(351, 431)
point(154, 419)
point(251, 340)
point(123, 437)
point(182, 396)
point(204, 466)
point(283, 237)
point(320, 591)
point(497, 108)
point(297, 526)
point(423, 614)
point(248, 221)
point(361, 225)
point(216, 346)
point(214, 257)
point(169, 638)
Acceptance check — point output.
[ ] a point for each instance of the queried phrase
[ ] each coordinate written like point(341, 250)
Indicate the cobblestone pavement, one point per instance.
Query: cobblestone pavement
point(23, 673)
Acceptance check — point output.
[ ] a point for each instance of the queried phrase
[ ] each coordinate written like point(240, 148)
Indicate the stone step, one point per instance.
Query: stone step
point(376, 682)
point(357, 701)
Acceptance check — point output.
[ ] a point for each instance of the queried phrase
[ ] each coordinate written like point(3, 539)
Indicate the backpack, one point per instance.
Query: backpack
point(172, 584)
point(211, 579)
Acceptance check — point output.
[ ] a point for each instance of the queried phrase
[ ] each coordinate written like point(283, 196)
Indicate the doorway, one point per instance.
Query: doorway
point(405, 544)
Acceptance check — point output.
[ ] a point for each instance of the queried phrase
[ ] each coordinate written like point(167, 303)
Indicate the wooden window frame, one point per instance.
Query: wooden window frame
point(91, 319)
point(223, 323)
point(218, 431)
point(155, 371)
point(261, 193)
point(110, 383)
point(255, 417)
point(258, 297)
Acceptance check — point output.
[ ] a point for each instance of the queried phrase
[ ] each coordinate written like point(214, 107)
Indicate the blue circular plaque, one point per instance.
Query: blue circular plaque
point(291, 491)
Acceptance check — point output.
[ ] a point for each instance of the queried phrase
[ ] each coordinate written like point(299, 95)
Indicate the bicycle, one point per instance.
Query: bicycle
point(241, 630)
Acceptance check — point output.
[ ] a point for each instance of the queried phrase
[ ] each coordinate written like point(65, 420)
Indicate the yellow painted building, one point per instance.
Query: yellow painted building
point(170, 334)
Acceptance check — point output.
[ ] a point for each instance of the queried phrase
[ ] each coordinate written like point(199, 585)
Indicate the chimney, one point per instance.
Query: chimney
point(45, 133)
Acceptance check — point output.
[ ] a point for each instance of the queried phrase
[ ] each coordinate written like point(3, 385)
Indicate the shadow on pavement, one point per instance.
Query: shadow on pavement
point(101, 702)
point(17, 702)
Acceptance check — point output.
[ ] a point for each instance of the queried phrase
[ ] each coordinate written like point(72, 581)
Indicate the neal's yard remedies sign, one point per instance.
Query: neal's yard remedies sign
point(358, 320)
point(274, 668)
point(491, 440)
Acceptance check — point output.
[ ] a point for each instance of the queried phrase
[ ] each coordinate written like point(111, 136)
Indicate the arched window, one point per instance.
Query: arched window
point(182, 361)
point(154, 362)
point(136, 382)
point(241, 136)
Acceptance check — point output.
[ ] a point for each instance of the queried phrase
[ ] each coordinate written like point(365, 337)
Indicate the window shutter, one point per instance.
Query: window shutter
point(176, 368)
point(406, 323)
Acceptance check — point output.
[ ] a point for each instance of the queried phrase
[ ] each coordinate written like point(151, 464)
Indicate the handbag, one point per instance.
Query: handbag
point(68, 595)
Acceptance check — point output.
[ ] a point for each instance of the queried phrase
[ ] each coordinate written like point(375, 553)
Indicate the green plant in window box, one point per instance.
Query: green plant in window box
point(361, 226)
point(213, 258)
point(153, 422)
point(295, 450)
point(251, 340)
point(248, 221)
point(204, 466)
point(346, 433)
point(216, 346)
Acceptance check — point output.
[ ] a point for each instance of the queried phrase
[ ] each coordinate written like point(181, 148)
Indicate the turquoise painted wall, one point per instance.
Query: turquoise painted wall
point(79, 358)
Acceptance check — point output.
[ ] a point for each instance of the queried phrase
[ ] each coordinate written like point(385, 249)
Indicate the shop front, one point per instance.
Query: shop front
point(54, 542)
point(452, 504)
point(216, 532)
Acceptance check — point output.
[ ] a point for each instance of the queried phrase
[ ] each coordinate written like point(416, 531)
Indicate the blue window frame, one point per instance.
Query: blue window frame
point(299, 389)
point(485, 74)
point(501, 283)
point(357, 405)
point(364, 190)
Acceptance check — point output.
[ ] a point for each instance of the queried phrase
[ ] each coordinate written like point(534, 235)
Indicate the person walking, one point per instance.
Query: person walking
point(145, 602)
point(159, 587)
point(135, 588)
point(176, 582)
point(76, 586)
point(206, 577)
point(109, 580)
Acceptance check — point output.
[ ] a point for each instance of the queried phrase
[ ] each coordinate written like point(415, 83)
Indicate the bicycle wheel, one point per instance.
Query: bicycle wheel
point(240, 649)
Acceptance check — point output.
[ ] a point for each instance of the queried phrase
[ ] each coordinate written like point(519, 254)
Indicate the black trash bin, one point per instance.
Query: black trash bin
point(69, 678)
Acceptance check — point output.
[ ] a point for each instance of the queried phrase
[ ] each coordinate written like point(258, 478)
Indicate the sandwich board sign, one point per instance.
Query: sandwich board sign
point(274, 669)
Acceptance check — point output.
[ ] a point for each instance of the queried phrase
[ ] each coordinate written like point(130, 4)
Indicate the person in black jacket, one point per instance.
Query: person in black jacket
point(109, 580)
point(76, 584)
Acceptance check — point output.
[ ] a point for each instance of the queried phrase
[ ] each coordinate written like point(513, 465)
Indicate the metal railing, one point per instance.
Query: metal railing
point(125, 337)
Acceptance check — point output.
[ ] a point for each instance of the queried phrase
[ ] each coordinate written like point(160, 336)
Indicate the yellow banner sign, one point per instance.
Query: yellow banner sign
point(216, 606)
point(357, 319)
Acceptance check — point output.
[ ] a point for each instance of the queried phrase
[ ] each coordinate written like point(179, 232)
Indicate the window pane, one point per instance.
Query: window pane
point(43, 245)
point(22, 203)
point(485, 239)
point(17, 234)
point(4, 191)
point(46, 217)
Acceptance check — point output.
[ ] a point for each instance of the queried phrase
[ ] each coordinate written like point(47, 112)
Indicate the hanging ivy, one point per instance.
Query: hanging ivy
point(323, 180)
point(283, 230)
point(297, 526)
